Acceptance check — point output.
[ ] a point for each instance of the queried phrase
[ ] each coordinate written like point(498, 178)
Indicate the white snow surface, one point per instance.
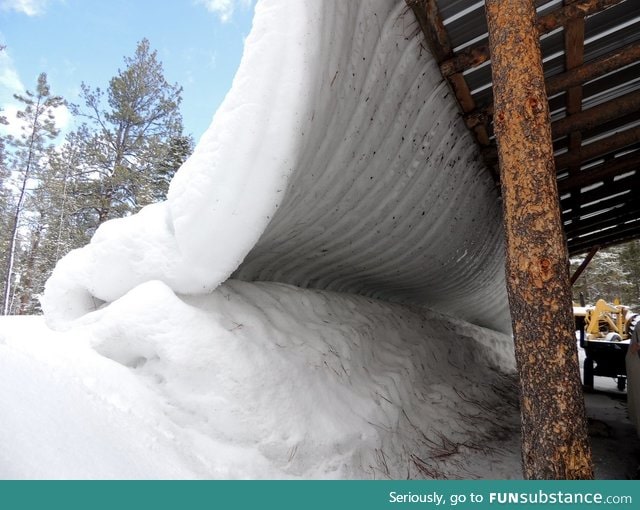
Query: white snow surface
point(337, 161)
point(321, 296)
point(255, 380)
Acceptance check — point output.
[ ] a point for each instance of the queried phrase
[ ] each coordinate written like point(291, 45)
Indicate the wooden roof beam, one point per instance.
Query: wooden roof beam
point(606, 238)
point(584, 264)
point(594, 68)
point(600, 148)
point(605, 220)
point(589, 71)
point(428, 16)
point(608, 169)
point(608, 116)
point(587, 152)
point(475, 56)
point(591, 118)
point(606, 202)
point(574, 57)
point(602, 194)
point(430, 22)
point(574, 10)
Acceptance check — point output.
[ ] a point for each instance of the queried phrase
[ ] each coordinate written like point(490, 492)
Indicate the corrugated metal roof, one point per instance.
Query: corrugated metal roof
point(599, 174)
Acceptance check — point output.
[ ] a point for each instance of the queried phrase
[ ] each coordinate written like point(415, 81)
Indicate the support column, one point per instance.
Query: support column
point(555, 442)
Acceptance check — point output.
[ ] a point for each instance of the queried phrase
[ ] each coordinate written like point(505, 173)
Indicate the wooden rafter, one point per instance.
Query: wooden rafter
point(594, 69)
point(574, 56)
point(480, 54)
point(607, 190)
point(600, 148)
point(596, 130)
point(576, 76)
point(430, 21)
point(605, 170)
point(605, 238)
point(581, 121)
point(607, 221)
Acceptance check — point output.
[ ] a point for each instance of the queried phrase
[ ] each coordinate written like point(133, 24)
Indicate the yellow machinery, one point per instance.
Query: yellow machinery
point(607, 322)
point(604, 335)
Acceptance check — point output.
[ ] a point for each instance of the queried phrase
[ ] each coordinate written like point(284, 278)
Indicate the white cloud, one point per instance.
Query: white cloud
point(10, 84)
point(223, 8)
point(62, 117)
point(9, 79)
point(14, 128)
point(28, 7)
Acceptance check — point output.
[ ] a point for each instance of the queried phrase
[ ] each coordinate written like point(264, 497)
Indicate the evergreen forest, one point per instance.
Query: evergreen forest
point(613, 273)
point(125, 145)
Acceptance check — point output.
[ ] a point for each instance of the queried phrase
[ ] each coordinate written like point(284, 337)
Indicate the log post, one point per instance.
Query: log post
point(555, 442)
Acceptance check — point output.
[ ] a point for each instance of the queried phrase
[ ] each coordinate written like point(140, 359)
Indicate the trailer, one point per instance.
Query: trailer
point(605, 358)
point(605, 337)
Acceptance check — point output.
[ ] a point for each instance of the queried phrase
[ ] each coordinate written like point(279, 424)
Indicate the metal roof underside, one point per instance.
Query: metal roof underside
point(591, 58)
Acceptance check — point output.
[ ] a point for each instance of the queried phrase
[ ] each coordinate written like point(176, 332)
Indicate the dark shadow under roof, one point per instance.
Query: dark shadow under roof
point(591, 58)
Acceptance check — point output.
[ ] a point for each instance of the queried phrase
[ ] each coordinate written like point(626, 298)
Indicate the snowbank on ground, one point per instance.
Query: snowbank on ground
point(337, 161)
point(255, 380)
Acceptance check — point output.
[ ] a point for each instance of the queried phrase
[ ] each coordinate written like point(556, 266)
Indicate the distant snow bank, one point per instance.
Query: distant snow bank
point(337, 161)
point(255, 380)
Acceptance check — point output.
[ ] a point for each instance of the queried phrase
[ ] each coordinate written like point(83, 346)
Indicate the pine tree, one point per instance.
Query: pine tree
point(6, 205)
point(57, 221)
point(614, 273)
point(130, 142)
point(69, 187)
point(174, 154)
point(630, 262)
point(122, 158)
point(27, 158)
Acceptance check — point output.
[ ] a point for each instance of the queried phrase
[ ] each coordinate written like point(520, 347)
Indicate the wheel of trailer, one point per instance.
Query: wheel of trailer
point(588, 372)
point(622, 383)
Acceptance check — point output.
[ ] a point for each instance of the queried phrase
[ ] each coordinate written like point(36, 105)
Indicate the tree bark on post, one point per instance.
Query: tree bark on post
point(555, 442)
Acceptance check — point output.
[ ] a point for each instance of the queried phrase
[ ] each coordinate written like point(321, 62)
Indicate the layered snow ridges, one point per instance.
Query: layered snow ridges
point(337, 161)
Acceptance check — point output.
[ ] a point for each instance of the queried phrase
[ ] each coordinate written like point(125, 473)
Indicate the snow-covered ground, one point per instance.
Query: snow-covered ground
point(263, 380)
point(337, 162)
point(256, 380)
point(338, 167)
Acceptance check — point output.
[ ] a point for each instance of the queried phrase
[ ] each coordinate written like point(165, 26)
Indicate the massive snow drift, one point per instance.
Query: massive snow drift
point(340, 189)
point(337, 161)
point(255, 380)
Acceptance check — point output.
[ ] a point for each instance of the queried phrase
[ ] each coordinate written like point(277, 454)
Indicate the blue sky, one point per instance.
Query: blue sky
point(199, 43)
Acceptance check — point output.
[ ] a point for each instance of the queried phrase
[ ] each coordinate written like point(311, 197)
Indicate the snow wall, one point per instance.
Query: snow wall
point(337, 161)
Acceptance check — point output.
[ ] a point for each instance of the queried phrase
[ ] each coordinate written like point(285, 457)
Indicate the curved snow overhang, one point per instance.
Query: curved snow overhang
point(337, 161)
